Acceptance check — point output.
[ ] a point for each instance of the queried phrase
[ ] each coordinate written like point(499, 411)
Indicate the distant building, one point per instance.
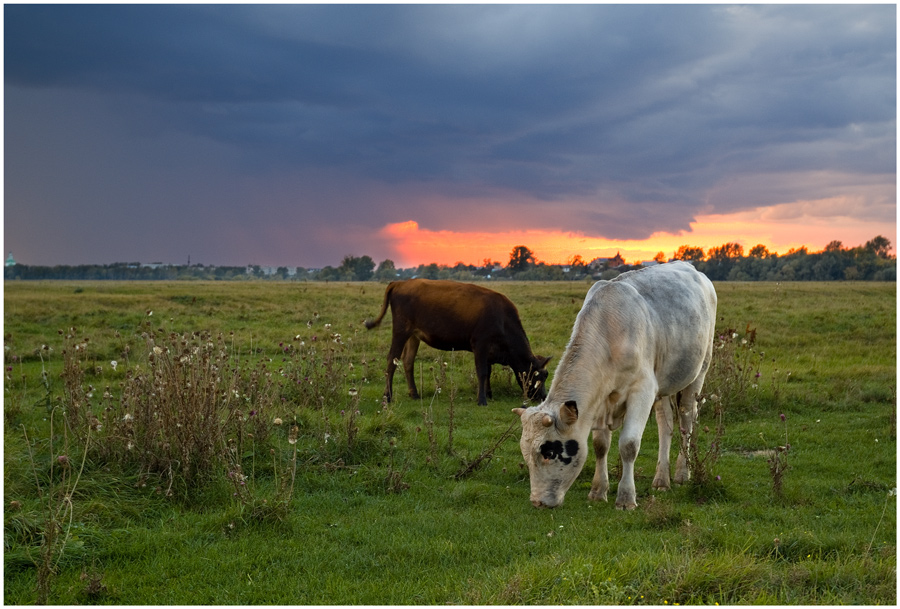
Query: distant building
point(598, 264)
point(10, 261)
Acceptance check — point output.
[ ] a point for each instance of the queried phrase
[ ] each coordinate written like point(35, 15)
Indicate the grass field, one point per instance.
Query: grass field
point(351, 501)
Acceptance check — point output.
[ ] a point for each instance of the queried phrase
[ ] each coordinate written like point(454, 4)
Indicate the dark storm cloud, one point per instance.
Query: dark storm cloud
point(616, 121)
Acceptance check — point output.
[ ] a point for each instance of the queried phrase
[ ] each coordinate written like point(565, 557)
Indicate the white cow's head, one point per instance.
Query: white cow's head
point(553, 454)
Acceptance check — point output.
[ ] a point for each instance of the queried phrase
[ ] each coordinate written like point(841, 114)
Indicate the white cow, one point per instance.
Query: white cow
point(638, 339)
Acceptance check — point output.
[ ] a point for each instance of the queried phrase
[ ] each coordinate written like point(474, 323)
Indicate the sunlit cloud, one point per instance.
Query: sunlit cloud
point(781, 228)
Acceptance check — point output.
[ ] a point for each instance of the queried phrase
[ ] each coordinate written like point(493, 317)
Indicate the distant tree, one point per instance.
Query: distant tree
point(881, 246)
point(759, 251)
point(834, 246)
point(660, 257)
point(386, 270)
point(520, 259)
point(721, 260)
point(686, 252)
point(429, 271)
point(329, 273)
point(725, 251)
point(358, 268)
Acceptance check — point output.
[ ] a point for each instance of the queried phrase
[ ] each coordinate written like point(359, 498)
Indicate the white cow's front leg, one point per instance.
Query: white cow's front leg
point(640, 403)
point(663, 409)
point(600, 484)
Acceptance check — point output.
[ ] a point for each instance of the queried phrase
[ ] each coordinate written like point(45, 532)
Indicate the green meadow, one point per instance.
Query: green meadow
point(227, 443)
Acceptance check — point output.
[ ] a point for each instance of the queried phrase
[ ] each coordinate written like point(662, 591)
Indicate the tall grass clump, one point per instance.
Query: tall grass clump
point(56, 484)
point(184, 413)
point(732, 382)
point(735, 370)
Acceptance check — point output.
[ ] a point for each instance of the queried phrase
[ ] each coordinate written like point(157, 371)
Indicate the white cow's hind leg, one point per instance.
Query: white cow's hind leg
point(600, 484)
point(663, 410)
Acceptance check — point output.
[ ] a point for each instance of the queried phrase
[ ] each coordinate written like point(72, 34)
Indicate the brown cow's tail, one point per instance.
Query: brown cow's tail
point(372, 323)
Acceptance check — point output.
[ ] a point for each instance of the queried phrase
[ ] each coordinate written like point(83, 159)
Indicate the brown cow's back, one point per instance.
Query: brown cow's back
point(448, 315)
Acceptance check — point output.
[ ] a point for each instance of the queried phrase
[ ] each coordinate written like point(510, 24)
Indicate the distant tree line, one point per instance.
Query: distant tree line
point(727, 262)
point(869, 262)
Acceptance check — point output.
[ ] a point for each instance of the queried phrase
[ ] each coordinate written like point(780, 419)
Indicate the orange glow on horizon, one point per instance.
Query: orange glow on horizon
point(773, 227)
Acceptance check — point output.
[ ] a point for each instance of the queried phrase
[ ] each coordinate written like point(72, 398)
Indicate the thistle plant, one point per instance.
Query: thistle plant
point(778, 462)
point(701, 462)
point(55, 492)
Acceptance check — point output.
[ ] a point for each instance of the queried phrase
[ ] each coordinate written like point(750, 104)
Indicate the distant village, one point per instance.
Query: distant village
point(872, 261)
point(352, 269)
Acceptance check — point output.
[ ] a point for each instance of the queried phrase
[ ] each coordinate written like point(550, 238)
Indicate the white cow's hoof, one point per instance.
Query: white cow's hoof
point(661, 485)
point(597, 496)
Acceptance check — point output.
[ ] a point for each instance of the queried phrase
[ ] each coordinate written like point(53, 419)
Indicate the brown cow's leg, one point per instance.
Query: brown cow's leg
point(409, 365)
point(398, 340)
point(483, 374)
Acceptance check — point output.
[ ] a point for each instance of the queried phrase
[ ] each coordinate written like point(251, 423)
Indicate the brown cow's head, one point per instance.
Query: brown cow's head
point(535, 379)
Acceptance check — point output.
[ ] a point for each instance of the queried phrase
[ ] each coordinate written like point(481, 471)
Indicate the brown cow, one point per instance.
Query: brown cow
point(453, 316)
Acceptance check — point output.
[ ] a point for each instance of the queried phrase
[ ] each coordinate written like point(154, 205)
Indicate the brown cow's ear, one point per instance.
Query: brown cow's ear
point(568, 413)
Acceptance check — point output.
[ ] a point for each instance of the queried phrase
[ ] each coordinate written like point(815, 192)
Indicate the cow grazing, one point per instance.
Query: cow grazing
point(453, 316)
point(638, 340)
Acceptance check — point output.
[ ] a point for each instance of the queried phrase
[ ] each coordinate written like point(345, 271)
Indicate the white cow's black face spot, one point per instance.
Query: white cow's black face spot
point(555, 449)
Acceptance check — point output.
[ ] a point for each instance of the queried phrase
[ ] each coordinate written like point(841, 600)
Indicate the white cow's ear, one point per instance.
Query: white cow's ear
point(568, 412)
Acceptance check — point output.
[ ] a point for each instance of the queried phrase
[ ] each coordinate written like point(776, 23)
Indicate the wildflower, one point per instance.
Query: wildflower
point(62, 460)
point(157, 350)
point(277, 421)
point(783, 418)
point(114, 363)
point(353, 392)
point(128, 417)
point(292, 437)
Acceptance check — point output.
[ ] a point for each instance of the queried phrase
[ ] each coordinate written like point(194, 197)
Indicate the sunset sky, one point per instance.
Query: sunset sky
point(293, 135)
